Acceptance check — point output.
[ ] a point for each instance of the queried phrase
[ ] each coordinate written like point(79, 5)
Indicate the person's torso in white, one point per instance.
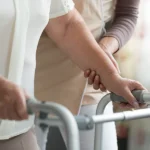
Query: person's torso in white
point(39, 12)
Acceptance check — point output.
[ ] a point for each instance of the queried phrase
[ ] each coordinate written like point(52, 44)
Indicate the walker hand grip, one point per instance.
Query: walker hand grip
point(31, 104)
point(141, 96)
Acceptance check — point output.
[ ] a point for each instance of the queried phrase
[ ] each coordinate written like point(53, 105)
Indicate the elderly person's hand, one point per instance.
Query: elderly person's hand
point(126, 106)
point(109, 46)
point(12, 101)
point(96, 81)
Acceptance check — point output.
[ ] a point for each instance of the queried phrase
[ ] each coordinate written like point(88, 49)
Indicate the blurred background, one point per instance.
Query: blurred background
point(134, 62)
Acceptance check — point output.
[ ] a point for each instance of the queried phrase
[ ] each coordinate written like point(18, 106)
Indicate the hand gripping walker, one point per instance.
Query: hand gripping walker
point(73, 123)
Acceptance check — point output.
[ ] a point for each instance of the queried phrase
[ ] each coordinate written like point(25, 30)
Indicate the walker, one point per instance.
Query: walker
point(48, 111)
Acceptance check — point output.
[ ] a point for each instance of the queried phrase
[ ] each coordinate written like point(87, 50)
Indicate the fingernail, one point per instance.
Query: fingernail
point(136, 105)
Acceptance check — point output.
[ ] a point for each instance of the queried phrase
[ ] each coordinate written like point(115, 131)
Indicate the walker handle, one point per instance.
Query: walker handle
point(141, 96)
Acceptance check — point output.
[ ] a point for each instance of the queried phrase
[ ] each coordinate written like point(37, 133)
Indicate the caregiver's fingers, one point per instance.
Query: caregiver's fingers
point(102, 88)
point(87, 73)
point(96, 84)
point(91, 78)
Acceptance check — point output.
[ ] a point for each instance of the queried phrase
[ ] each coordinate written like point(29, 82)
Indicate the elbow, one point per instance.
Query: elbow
point(70, 24)
point(58, 28)
point(61, 29)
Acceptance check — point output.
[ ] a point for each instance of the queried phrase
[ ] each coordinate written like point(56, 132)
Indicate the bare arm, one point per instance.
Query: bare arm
point(74, 38)
point(72, 35)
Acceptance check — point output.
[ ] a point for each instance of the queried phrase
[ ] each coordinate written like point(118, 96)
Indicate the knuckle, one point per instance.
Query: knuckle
point(138, 83)
point(123, 91)
point(16, 88)
point(132, 82)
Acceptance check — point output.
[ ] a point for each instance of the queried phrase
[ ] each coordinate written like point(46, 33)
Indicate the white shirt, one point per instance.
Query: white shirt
point(22, 22)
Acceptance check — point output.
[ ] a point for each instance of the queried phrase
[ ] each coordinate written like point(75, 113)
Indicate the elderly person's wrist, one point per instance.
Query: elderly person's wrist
point(109, 44)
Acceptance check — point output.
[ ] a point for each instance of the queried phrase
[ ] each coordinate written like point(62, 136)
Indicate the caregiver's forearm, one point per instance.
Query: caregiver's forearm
point(126, 14)
point(109, 44)
point(74, 38)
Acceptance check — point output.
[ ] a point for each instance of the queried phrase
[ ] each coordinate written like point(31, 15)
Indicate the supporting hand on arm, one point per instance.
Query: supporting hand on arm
point(122, 28)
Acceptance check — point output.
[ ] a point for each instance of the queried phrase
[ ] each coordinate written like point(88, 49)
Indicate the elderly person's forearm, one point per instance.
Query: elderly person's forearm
point(72, 35)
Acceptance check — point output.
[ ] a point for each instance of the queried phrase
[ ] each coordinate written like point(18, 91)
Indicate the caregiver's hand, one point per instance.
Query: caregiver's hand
point(94, 79)
point(12, 101)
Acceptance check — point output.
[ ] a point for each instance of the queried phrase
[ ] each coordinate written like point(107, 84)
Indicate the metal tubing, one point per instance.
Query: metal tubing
point(86, 122)
point(128, 115)
point(66, 117)
point(99, 127)
point(99, 119)
point(137, 114)
point(141, 96)
point(50, 122)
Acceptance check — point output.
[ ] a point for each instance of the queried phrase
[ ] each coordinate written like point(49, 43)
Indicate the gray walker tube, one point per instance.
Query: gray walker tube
point(71, 123)
point(65, 117)
point(141, 96)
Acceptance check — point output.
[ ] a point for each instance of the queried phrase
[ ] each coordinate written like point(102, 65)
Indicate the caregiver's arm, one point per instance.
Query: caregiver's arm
point(122, 28)
point(74, 38)
point(126, 14)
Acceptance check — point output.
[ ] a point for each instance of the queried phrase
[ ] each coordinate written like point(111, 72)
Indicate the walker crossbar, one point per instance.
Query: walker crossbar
point(63, 117)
